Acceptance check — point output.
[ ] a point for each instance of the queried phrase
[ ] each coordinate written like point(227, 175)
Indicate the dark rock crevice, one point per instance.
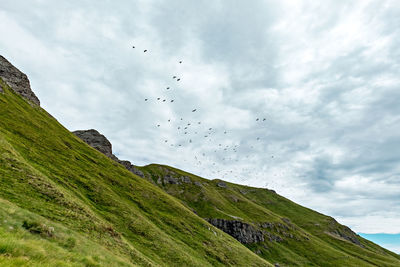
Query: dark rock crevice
point(17, 81)
point(243, 232)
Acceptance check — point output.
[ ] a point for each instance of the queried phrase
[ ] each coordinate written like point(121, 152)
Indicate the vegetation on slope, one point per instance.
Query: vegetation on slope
point(294, 235)
point(50, 177)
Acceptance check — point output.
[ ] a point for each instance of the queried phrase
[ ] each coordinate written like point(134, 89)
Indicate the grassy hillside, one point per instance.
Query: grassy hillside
point(62, 203)
point(295, 236)
point(65, 204)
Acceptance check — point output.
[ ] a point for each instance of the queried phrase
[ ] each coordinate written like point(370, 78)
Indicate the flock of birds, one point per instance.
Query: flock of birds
point(194, 132)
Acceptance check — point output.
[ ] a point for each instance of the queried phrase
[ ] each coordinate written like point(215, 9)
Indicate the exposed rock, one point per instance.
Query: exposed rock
point(222, 184)
point(272, 237)
point(1, 89)
point(243, 232)
point(343, 232)
point(99, 142)
point(168, 179)
point(17, 80)
point(96, 140)
point(130, 167)
point(197, 183)
point(186, 179)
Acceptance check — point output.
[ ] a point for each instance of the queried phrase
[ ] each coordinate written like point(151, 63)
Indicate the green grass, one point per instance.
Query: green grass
point(62, 203)
point(48, 173)
point(307, 239)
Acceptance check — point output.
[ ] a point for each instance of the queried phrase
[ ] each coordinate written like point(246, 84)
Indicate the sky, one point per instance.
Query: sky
point(323, 79)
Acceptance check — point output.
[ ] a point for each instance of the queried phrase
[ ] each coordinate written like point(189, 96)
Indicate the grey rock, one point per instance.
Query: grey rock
point(1, 89)
point(243, 232)
point(130, 167)
point(344, 232)
point(17, 81)
point(168, 179)
point(222, 184)
point(96, 140)
point(197, 183)
point(186, 179)
point(99, 142)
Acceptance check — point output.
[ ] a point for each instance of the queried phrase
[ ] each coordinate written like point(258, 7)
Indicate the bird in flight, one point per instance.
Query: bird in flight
point(173, 77)
point(180, 62)
point(145, 99)
point(257, 119)
point(264, 119)
point(178, 79)
point(194, 110)
point(167, 88)
point(145, 51)
point(133, 46)
point(158, 98)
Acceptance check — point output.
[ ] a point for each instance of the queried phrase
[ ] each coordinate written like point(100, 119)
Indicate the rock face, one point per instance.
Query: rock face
point(243, 232)
point(343, 232)
point(99, 142)
point(17, 80)
point(96, 140)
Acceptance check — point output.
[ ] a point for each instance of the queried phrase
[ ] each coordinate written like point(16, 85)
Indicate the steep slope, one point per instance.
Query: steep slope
point(270, 225)
point(65, 204)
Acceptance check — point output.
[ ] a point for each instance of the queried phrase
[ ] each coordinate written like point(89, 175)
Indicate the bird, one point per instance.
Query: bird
point(210, 129)
point(190, 140)
point(180, 62)
point(166, 141)
point(172, 100)
point(169, 120)
point(133, 46)
point(145, 51)
point(163, 100)
point(158, 98)
point(158, 125)
point(225, 132)
point(264, 119)
point(194, 110)
point(173, 77)
point(178, 79)
point(199, 122)
point(179, 128)
point(188, 124)
point(145, 99)
point(257, 119)
point(167, 88)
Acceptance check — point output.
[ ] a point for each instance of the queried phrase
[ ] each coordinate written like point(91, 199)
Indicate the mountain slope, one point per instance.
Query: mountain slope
point(63, 203)
point(270, 225)
point(51, 179)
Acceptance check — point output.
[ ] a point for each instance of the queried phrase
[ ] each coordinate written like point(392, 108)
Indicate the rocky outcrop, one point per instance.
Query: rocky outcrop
point(222, 184)
point(343, 232)
point(99, 142)
point(17, 81)
point(243, 232)
point(170, 179)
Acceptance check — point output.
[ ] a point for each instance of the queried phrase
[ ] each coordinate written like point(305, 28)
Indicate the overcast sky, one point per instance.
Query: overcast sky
point(324, 75)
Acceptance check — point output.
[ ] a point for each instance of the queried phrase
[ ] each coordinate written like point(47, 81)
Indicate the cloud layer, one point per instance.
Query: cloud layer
point(324, 76)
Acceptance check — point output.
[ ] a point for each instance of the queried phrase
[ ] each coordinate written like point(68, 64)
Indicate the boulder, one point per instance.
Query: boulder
point(243, 232)
point(17, 81)
point(99, 142)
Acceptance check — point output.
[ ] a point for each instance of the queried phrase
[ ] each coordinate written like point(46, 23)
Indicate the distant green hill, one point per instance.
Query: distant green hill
point(63, 203)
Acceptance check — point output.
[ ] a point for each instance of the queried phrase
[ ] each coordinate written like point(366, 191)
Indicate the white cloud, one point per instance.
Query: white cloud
point(325, 77)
